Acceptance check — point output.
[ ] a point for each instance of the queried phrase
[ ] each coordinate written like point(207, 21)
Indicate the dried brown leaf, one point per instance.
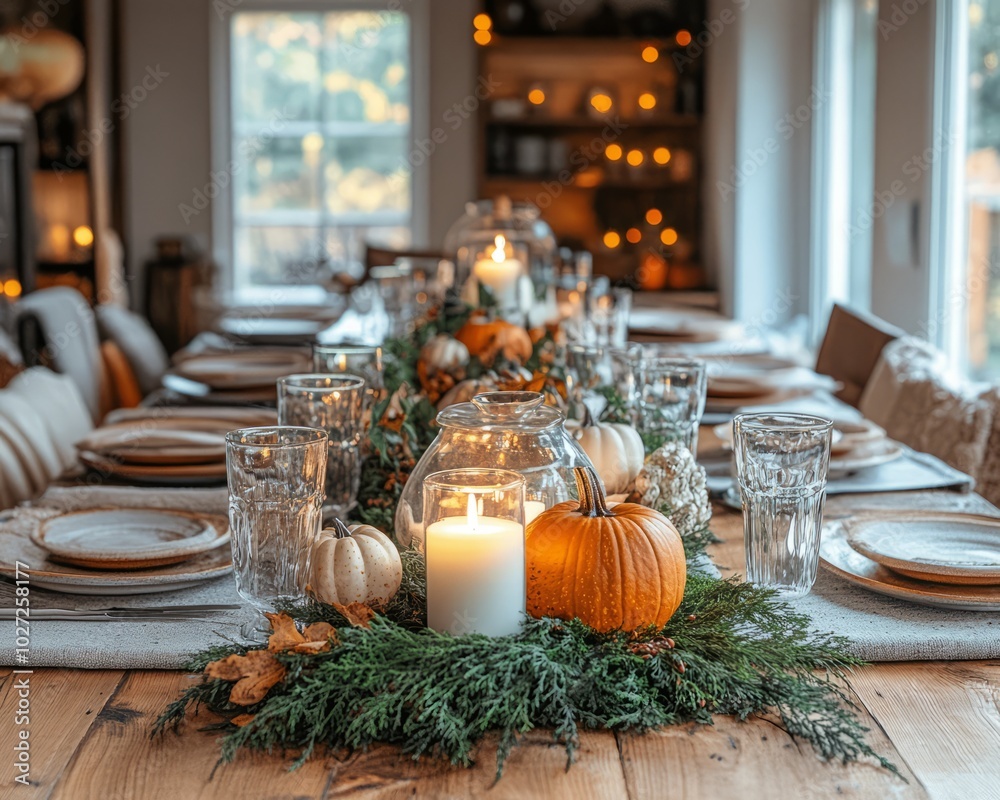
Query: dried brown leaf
point(284, 635)
point(255, 674)
point(358, 614)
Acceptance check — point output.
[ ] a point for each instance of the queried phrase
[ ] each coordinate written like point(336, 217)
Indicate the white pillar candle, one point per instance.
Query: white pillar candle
point(475, 574)
point(499, 273)
point(532, 508)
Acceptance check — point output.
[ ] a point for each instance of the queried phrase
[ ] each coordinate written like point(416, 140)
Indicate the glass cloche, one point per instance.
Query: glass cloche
point(504, 246)
point(500, 430)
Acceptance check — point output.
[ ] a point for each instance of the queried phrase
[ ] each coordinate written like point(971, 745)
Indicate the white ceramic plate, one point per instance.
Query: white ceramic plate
point(206, 394)
point(47, 574)
point(856, 435)
point(865, 458)
point(949, 548)
point(251, 370)
point(157, 475)
point(271, 330)
point(127, 538)
point(160, 442)
point(837, 556)
point(231, 417)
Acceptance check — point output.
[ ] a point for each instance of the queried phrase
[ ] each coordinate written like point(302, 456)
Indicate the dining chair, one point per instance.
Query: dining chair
point(11, 362)
point(988, 475)
point(851, 348)
point(134, 336)
point(56, 328)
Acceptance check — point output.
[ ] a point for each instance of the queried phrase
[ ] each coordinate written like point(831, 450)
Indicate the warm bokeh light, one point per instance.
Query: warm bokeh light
point(647, 101)
point(482, 37)
point(683, 38)
point(482, 22)
point(991, 61)
point(668, 236)
point(536, 97)
point(312, 143)
point(12, 288)
point(601, 102)
point(613, 152)
point(633, 235)
point(635, 157)
point(654, 216)
point(661, 155)
point(650, 54)
point(83, 236)
point(612, 239)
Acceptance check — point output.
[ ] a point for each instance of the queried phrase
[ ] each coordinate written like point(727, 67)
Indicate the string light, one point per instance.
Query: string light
point(654, 216)
point(650, 54)
point(83, 236)
point(536, 97)
point(613, 152)
point(482, 22)
point(647, 101)
point(635, 157)
point(601, 102)
point(683, 38)
point(661, 155)
point(12, 288)
point(482, 37)
point(668, 236)
point(612, 239)
point(633, 235)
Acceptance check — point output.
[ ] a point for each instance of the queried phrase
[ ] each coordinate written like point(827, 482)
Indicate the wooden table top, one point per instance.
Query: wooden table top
point(938, 721)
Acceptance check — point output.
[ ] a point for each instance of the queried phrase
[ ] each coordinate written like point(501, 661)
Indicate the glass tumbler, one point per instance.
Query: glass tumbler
point(276, 481)
point(671, 396)
point(587, 370)
point(609, 314)
point(781, 465)
point(353, 359)
point(625, 365)
point(334, 404)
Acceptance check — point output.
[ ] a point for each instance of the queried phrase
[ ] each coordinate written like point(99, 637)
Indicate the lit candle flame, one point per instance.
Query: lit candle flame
point(473, 513)
point(499, 253)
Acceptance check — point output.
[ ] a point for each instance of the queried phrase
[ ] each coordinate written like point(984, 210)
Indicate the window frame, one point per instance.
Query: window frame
point(223, 226)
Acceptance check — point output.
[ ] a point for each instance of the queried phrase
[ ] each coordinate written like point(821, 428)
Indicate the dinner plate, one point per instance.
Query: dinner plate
point(156, 475)
point(856, 435)
point(206, 394)
point(125, 538)
point(739, 387)
point(865, 458)
point(231, 417)
point(271, 330)
point(160, 442)
point(241, 371)
point(724, 432)
point(16, 546)
point(837, 556)
point(951, 548)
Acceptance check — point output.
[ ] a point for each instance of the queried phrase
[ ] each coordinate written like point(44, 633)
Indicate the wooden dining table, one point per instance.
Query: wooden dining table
point(939, 722)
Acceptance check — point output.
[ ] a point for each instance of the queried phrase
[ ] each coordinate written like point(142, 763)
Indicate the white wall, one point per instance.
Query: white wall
point(167, 137)
point(759, 157)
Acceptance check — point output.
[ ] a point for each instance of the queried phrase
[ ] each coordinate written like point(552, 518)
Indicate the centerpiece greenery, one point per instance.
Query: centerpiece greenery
point(356, 676)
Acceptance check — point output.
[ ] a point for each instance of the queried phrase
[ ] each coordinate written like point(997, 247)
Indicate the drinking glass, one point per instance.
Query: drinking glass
point(276, 481)
point(334, 404)
point(395, 287)
point(587, 369)
point(781, 465)
point(625, 365)
point(362, 360)
point(671, 397)
point(609, 315)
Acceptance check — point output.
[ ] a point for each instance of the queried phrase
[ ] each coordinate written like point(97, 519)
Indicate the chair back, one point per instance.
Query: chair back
point(851, 348)
point(57, 329)
point(138, 342)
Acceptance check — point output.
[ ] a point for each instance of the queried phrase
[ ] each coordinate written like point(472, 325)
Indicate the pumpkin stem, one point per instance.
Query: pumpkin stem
point(340, 529)
point(592, 500)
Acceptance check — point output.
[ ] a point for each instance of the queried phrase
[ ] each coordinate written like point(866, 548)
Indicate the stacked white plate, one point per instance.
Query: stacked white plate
point(242, 376)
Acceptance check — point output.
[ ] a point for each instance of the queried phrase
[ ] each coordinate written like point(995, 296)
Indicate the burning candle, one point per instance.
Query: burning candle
point(474, 545)
point(499, 273)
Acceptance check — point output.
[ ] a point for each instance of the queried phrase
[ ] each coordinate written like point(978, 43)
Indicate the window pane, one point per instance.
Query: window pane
point(368, 175)
point(983, 187)
point(320, 130)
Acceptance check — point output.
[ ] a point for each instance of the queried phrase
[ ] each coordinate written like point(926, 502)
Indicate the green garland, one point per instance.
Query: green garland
point(731, 648)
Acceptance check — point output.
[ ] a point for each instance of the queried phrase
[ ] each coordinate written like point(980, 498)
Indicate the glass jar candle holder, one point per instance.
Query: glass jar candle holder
point(475, 551)
point(334, 404)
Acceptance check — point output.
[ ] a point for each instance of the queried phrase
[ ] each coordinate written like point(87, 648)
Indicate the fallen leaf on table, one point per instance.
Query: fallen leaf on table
point(358, 614)
point(242, 719)
point(255, 674)
point(284, 634)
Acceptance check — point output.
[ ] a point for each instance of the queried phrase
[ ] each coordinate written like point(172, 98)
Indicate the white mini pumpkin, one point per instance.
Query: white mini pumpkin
point(616, 451)
point(444, 354)
point(356, 565)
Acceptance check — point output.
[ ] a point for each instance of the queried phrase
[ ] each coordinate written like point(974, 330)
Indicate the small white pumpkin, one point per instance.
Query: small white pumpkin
point(444, 354)
point(616, 451)
point(356, 565)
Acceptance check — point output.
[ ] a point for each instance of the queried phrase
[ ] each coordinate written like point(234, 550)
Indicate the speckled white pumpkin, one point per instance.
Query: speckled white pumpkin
point(616, 451)
point(356, 565)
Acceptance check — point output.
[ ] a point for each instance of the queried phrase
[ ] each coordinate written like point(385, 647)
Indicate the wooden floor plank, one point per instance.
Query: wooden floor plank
point(944, 718)
point(119, 761)
point(753, 759)
point(536, 768)
point(63, 706)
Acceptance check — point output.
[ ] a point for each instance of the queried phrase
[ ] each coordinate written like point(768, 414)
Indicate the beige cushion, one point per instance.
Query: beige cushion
point(988, 477)
point(905, 359)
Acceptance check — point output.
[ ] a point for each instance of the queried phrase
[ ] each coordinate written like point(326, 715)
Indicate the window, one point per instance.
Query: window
point(982, 187)
point(317, 140)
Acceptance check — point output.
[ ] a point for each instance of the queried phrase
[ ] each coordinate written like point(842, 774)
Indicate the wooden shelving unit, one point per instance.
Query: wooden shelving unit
point(556, 153)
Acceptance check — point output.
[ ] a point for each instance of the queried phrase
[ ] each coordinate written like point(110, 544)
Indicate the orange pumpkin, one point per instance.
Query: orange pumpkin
point(486, 339)
point(619, 568)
